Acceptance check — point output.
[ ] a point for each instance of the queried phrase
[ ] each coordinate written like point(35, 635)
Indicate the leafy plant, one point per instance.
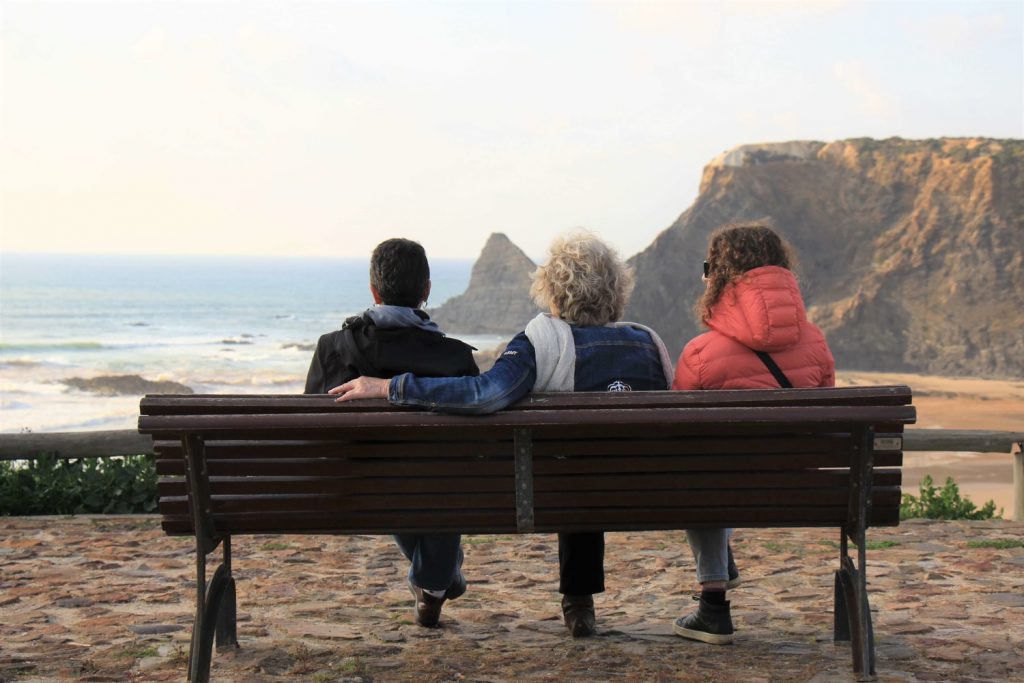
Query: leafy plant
point(50, 485)
point(944, 503)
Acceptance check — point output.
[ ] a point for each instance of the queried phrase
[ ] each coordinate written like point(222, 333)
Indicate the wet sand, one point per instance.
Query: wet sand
point(959, 403)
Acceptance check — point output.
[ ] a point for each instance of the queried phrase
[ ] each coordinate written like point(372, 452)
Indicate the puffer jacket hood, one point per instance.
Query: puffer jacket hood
point(763, 310)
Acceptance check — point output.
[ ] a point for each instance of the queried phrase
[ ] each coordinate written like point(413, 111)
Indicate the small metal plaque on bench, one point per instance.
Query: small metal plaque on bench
point(888, 443)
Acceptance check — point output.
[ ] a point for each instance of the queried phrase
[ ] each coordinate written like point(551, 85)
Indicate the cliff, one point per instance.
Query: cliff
point(497, 300)
point(911, 251)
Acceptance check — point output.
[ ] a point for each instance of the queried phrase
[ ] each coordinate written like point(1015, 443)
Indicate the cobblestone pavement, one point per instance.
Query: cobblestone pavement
point(110, 599)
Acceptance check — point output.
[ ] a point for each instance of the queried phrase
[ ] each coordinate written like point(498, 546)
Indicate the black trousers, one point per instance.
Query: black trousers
point(581, 563)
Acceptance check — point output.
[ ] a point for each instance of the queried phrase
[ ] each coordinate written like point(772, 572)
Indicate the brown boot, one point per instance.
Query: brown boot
point(578, 612)
point(428, 608)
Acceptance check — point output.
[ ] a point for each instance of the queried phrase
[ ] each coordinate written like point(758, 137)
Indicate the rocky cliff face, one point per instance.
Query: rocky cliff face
point(911, 252)
point(497, 300)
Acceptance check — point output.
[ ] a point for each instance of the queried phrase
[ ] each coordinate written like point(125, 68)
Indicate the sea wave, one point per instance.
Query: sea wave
point(53, 346)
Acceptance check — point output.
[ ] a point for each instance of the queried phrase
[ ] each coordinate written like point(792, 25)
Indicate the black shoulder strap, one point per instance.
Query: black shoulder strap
point(777, 373)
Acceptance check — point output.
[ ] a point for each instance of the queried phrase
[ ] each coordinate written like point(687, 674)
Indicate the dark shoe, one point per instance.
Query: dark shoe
point(734, 573)
point(428, 608)
point(578, 612)
point(709, 624)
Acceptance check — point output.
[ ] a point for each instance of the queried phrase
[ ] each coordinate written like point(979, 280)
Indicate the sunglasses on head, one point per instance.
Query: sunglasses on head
point(707, 269)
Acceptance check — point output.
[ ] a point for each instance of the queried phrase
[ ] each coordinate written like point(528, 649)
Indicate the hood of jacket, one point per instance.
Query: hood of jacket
point(762, 310)
point(388, 317)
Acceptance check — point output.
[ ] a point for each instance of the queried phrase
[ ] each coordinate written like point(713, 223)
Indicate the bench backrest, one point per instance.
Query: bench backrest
point(553, 462)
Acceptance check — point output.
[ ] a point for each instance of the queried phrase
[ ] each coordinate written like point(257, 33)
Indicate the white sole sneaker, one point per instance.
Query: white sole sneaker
point(702, 636)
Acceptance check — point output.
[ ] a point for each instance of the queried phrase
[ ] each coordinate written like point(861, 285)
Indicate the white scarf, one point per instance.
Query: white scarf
point(556, 352)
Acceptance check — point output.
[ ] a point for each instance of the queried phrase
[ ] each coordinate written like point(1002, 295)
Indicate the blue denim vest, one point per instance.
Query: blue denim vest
point(607, 359)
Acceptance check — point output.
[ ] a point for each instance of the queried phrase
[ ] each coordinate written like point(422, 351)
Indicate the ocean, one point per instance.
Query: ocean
point(215, 324)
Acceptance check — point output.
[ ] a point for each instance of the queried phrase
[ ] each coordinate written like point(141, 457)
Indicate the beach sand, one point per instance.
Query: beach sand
point(959, 403)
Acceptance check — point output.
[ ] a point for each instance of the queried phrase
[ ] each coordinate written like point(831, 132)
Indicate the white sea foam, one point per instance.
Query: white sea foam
point(87, 317)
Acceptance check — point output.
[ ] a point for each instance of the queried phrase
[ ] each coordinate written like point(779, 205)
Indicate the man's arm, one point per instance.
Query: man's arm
point(511, 378)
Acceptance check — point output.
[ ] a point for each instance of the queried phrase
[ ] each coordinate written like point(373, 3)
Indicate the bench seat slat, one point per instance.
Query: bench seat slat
point(217, 449)
point(340, 485)
point(638, 519)
point(610, 501)
point(175, 404)
point(482, 521)
point(503, 522)
point(414, 423)
point(584, 482)
point(542, 466)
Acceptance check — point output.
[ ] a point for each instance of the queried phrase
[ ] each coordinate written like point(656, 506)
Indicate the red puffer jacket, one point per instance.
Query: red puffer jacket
point(763, 310)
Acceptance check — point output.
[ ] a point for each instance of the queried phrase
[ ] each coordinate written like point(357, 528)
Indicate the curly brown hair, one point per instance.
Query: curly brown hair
point(734, 249)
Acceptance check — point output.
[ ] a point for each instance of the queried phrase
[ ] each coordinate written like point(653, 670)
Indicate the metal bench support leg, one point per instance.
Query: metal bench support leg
point(841, 611)
point(227, 620)
point(851, 593)
point(215, 602)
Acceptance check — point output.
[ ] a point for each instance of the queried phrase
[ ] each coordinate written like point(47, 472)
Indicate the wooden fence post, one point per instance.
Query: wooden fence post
point(1018, 481)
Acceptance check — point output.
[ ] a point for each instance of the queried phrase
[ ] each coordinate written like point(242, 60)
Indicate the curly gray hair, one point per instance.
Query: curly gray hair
point(584, 279)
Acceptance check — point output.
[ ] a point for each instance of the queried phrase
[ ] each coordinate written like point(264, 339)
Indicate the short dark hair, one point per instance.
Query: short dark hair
point(399, 272)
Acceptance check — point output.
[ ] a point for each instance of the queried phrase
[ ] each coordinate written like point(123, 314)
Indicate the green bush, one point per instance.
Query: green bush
point(944, 503)
point(52, 486)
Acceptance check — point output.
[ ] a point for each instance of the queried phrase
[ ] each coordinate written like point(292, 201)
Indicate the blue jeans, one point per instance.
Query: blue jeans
point(436, 559)
point(711, 553)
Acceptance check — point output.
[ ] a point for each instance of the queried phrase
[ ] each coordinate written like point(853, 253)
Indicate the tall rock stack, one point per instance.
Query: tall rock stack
point(497, 300)
point(911, 251)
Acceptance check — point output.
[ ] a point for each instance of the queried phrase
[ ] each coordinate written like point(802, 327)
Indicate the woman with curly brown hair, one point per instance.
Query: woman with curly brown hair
point(578, 345)
point(759, 338)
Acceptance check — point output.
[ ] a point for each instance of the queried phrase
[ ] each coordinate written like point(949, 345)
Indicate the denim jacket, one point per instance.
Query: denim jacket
point(607, 359)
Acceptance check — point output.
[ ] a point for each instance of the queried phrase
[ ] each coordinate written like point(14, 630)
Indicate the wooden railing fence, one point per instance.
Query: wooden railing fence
point(98, 444)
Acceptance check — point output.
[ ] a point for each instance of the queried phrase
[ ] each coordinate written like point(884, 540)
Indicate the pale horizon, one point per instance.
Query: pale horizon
point(317, 130)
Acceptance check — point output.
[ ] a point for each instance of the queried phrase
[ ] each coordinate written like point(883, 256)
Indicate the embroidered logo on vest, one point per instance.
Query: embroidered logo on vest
point(619, 385)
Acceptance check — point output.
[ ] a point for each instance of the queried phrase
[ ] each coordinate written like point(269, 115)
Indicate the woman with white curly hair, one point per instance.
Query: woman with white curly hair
point(578, 345)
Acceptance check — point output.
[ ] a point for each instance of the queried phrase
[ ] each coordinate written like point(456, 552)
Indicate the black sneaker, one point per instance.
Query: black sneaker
point(734, 572)
point(709, 624)
point(578, 612)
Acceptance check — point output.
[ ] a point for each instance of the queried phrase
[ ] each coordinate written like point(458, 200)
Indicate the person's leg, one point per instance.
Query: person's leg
point(581, 574)
point(712, 622)
point(435, 559)
point(581, 563)
point(711, 553)
point(435, 572)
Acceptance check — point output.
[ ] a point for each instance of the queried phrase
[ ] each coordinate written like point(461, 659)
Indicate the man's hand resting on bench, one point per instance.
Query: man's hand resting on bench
point(361, 387)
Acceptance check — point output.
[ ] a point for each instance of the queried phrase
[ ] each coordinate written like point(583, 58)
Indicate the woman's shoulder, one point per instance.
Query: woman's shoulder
point(712, 339)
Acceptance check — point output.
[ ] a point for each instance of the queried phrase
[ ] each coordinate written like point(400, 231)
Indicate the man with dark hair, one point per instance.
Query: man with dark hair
point(393, 337)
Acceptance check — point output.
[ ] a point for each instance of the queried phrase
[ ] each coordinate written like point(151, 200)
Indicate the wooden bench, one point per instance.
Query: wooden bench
point(233, 465)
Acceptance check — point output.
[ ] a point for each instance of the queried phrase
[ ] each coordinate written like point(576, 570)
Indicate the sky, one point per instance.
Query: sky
point(320, 129)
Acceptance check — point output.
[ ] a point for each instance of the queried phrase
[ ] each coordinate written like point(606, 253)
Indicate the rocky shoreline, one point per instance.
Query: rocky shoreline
point(110, 599)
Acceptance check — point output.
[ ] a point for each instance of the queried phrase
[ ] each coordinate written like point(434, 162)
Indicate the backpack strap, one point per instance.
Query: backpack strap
point(773, 367)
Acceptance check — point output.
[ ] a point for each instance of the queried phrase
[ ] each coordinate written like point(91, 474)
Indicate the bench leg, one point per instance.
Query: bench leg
point(227, 621)
point(852, 621)
point(215, 616)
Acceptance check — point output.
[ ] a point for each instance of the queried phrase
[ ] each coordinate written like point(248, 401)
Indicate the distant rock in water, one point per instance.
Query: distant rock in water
point(125, 385)
point(497, 300)
point(911, 252)
point(298, 346)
